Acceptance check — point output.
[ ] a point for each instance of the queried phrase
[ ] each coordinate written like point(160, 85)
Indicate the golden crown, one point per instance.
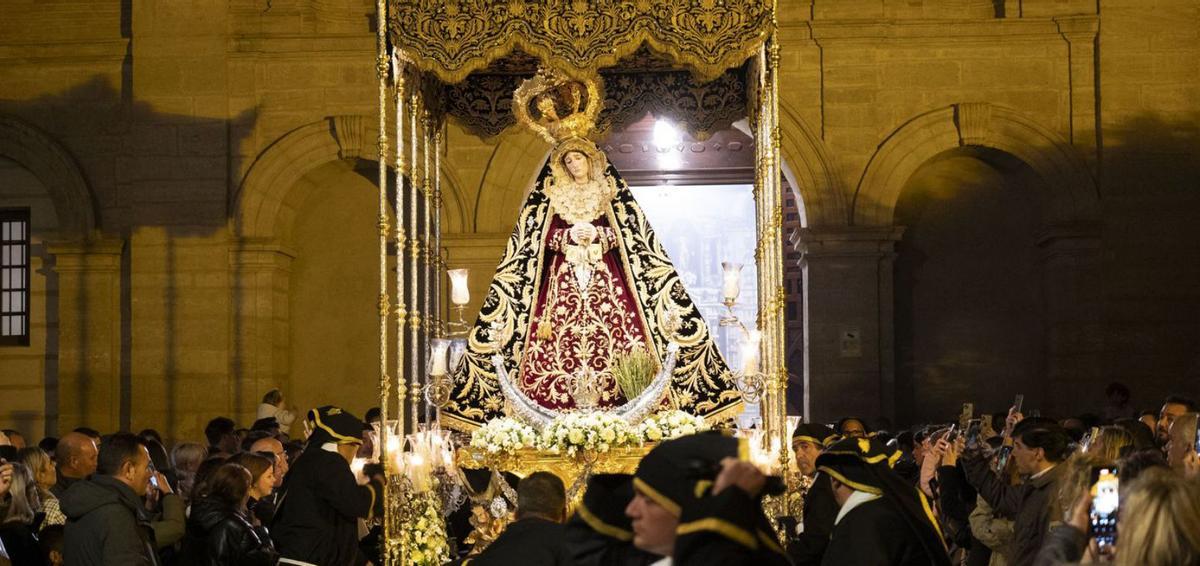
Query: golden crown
point(558, 107)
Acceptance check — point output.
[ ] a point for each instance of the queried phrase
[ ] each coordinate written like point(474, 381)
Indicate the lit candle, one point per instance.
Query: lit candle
point(438, 348)
point(750, 353)
point(458, 349)
point(732, 275)
point(459, 294)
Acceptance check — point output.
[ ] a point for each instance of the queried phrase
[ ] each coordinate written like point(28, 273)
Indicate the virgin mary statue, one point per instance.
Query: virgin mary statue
point(583, 281)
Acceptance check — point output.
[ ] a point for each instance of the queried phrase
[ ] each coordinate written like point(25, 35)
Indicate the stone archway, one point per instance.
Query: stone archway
point(50, 162)
point(1072, 199)
point(261, 255)
point(88, 271)
point(275, 172)
point(810, 171)
point(1064, 205)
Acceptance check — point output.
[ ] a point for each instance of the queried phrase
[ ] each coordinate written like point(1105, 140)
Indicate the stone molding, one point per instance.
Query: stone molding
point(97, 255)
point(54, 166)
point(847, 241)
point(261, 254)
point(282, 164)
point(1072, 197)
point(810, 170)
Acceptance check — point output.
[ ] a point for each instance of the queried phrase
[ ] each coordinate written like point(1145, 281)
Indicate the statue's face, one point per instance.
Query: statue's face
point(577, 165)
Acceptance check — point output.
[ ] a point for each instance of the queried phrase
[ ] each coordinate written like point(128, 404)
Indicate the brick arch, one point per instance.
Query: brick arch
point(280, 167)
point(1071, 196)
point(810, 171)
point(50, 162)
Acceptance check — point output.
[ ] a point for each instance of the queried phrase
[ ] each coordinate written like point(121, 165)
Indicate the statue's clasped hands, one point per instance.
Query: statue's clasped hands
point(583, 233)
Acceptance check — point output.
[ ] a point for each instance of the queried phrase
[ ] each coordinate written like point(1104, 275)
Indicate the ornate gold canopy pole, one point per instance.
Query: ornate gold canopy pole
point(430, 260)
point(439, 266)
point(778, 394)
point(390, 493)
point(414, 259)
point(769, 249)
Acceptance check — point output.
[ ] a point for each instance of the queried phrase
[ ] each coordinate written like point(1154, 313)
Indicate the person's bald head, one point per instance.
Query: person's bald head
point(270, 444)
point(76, 455)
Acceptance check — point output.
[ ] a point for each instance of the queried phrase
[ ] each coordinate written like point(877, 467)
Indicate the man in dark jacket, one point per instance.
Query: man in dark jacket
point(1038, 449)
point(807, 543)
point(320, 502)
point(76, 455)
point(536, 537)
point(106, 521)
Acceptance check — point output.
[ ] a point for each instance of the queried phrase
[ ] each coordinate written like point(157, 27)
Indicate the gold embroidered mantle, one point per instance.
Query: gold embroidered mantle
point(699, 383)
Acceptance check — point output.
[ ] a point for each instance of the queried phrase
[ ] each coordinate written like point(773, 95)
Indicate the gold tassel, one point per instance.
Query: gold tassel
point(544, 331)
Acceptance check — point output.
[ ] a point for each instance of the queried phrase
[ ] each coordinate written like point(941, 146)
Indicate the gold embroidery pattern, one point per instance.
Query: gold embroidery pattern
point(583, 323)
point(698, 385)
point(452, 38)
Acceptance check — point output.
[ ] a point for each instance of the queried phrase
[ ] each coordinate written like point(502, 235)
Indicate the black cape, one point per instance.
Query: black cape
point(820, 509)
point(319, 506)
point(875, 533)
point(727, 529)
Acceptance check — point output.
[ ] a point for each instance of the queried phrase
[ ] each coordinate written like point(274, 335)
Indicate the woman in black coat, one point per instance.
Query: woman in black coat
point(219, 532)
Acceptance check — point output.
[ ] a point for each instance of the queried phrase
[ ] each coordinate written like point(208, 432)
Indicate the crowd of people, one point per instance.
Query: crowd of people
point(993, 489)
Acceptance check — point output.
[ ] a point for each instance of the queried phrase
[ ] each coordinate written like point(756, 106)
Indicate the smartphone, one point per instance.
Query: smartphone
point(1088, 438)
point(952, 434)
point(968, 412)
point(973, 430)
point(1198, 436)
point(8, 453)
point(1020, 400)
point(154, 481)
point(1102, 515)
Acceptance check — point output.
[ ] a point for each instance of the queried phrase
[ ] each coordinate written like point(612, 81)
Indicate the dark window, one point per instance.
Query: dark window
point(14, 277)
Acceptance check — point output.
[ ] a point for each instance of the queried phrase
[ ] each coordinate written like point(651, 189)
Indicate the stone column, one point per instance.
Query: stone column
point(1080, 33)
point(89, 342)
point(848, 315)
point(260, 352)
point(1074, 318)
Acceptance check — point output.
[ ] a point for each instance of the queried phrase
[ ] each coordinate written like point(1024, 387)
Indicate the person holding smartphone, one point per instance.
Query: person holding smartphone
point(1156, 524)
point(1039, 447)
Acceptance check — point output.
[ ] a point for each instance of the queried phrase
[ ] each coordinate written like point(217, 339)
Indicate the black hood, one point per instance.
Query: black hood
point(86, 496)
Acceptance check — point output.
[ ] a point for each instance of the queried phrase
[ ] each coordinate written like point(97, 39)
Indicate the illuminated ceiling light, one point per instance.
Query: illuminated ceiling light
point(665, 135)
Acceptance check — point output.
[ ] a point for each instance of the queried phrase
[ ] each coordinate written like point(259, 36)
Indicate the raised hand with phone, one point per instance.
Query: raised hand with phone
point(1010, 423)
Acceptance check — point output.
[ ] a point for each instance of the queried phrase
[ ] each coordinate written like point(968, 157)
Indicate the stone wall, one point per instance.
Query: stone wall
point(195, 128)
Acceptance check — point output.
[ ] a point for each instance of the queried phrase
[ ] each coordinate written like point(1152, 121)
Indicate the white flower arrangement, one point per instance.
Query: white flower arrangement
point(504, 435)
point(596, 431)
point(665, 425)
point(423, 532)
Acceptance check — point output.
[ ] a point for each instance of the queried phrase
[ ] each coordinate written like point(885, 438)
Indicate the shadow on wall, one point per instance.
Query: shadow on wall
point(987, 306)
point(1150, 192)
point(167, 177)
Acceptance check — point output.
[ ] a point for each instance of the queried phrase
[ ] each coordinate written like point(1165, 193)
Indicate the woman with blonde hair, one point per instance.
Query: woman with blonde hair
point(45, 476)
point(18, 525)
point(1157, 525)
point(1163, 510)
point(1110, 442)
